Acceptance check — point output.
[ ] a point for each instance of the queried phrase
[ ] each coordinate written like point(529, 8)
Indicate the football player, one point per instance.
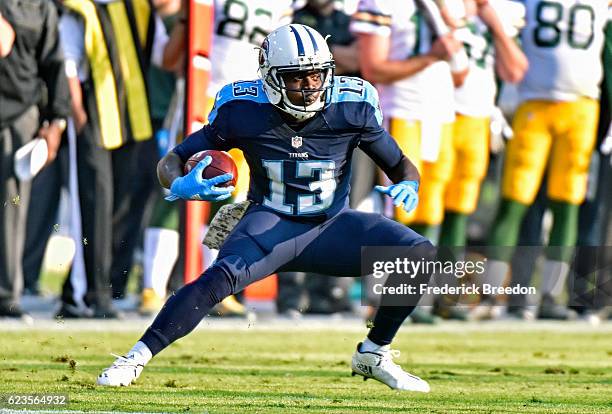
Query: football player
point(489, 45)
point(555, 128)
point(415, 82)
point(297, 126)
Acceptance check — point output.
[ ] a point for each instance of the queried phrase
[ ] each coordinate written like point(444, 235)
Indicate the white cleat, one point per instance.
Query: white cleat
point(121, 373)
point(380, 366)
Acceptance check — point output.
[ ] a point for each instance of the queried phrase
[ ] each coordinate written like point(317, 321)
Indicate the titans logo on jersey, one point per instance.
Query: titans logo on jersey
point(304, 172)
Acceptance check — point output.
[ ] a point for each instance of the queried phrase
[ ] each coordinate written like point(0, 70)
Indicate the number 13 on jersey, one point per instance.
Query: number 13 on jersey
point(322, 186)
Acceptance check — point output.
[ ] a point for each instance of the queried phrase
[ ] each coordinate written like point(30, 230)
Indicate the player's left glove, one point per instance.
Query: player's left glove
point(405, 193)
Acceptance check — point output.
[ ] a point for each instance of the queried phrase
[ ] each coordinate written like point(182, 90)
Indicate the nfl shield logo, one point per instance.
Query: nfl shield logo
point(296, 141)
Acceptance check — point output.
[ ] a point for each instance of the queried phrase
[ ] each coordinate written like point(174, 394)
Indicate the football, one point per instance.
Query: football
point(221, 163)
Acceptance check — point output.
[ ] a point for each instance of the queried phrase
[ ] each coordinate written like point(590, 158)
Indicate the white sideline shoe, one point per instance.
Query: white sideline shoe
point(380, 366)
point(121, 373)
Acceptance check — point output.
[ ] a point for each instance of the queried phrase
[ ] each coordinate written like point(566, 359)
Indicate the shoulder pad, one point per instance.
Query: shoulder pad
point(352, 89)
point(238, 91)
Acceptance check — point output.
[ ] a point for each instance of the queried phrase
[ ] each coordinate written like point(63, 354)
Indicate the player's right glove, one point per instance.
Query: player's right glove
point(405, 192)
point(195, 187)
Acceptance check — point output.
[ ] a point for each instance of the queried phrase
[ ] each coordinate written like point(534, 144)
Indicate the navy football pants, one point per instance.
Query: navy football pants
point(265, 242)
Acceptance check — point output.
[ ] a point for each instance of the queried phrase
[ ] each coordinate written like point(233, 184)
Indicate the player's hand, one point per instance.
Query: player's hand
point(500, 131)
point(7, 37)
point(52, 133)
point(405, 193)
point(194, 186)
point(445, 46)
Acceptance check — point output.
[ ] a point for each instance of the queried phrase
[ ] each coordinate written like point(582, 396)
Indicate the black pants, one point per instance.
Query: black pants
point(95, 178)
point(111, 214)
point(132, 206)
point(14, 199)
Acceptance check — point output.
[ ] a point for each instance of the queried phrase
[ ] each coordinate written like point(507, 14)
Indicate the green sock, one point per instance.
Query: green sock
point(506, 228)
point(165, 215)
point(425, 230)
point(454, 229)
point(564, 231)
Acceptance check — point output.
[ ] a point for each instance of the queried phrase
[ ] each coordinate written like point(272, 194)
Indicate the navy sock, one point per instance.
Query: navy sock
point(388, 319)
point(387, 322)
point(184, 310)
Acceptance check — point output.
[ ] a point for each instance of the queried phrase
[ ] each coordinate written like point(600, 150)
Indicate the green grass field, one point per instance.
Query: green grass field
point(257, 371)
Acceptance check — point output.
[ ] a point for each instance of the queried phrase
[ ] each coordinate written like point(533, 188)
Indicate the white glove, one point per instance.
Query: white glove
point(500, 130)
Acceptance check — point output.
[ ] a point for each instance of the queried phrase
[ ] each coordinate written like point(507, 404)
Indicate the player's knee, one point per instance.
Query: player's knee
point(224, 276)
point(424, 252)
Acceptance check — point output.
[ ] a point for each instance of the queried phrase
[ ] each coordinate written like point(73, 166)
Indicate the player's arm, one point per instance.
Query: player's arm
point(400, 170)
point(169, 168)
point(383, 149)
point(606, 87)
point(193, 186)
point(510, 61)
point(376, 66)
point(385, 152)
point(372, 27)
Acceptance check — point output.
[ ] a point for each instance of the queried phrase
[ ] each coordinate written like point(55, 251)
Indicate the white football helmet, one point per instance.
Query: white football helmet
point(293, 48)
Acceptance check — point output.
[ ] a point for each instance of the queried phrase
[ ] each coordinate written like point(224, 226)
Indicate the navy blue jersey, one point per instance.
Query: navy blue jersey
point(303, 173)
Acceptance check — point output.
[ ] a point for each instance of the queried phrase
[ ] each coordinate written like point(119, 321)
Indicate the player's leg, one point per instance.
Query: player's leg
point(471, 150)
point(524, 168)
point(408, 137)
point(337, 251)
point(573, 144)
point(161, 241)
point(471, 146)
point(261, 243)
point(435, 176)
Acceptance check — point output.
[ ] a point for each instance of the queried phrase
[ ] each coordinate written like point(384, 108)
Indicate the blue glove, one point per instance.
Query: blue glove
point(195, 187)
point(405, 193)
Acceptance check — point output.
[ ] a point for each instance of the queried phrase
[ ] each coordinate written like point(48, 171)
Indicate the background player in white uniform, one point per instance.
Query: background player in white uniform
point(555, 127)
point(485, 27)
point(491, 49)
point(415, 84)
point(414, 80)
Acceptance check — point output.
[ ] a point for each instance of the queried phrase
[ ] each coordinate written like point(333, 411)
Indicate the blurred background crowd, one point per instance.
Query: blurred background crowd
point(502, 105)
